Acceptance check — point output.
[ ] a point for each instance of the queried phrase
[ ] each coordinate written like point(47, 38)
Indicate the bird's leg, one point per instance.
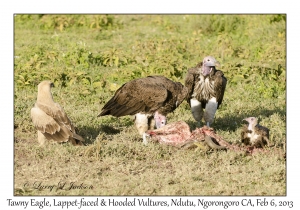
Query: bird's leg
point(197, 110)
point(141, 123)
point(145, 141)
point(210, 111)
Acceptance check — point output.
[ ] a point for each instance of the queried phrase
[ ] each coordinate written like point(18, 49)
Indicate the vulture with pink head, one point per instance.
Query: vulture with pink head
point(150, 99)
point(206, 86)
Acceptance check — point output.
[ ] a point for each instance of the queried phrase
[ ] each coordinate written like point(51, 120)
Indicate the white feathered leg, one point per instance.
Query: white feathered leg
point(197, 110)
point(145, 141)
point(141, 123)
point(210, 111)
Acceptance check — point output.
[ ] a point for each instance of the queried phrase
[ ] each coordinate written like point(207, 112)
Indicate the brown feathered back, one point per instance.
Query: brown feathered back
point(145, 95)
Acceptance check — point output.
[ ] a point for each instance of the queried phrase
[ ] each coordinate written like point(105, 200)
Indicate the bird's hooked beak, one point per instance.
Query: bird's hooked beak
point(206, 70)
point(246, 119)
point(251, 120)
point(208, 64)
point(160, 120)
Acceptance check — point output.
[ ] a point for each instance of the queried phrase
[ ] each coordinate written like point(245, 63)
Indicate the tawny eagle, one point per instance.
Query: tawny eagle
point(50, 120)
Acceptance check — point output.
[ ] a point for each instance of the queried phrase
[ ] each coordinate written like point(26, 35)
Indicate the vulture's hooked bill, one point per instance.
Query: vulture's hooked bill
point(206, 86)
point(150, 99)
point(50, 119)
point(254, 134)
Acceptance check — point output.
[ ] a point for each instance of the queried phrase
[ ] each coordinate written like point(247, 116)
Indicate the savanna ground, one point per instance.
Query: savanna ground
point(89, 56)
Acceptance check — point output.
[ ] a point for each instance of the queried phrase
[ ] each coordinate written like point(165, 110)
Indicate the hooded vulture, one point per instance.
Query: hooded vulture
point(254, 134)
point(206, 86)
point(150, 99)
point(50, 120)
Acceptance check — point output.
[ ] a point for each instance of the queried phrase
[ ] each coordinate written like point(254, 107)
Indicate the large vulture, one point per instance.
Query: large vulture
point(150, 99)
point(206, 86)
point(50, 119)
point(254, 134)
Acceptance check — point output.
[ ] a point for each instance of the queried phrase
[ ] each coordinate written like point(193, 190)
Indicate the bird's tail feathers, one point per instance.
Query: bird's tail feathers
point(78, 137)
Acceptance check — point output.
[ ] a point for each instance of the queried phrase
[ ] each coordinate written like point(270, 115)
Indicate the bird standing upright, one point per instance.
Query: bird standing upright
point(254, 134)
point(50, 119)
point(206, 86)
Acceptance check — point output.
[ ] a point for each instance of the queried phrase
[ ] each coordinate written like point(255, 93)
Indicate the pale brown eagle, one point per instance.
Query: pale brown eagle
point(206, 86)
point(254, 134)
point(150, 99)
point(50, 119)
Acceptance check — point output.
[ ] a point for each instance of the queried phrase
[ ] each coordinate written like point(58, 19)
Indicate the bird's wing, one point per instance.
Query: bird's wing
point(244, 135)
point(219, 86)
point(58, 115)
point(262, 130)
point(191, 77)
point(176, 93)
point(182, 94)
point(141, 95)
point(43, 122)
point(62, 117)
point(50, 128)
point(67, 123)
point(244, 132)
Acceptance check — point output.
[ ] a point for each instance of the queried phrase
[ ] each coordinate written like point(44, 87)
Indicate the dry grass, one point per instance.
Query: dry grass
point(126, 167)
point(114, 161)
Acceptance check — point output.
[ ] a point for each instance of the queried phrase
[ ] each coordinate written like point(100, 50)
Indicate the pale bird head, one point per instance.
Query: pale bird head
point(44, 90)
point(160, 120)
point(208, 64)
point(46, 84)
point(251, 120)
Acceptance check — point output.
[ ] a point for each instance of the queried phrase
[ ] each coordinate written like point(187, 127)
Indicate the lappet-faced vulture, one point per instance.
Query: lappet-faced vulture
point(150, 99)
point(206, 86)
